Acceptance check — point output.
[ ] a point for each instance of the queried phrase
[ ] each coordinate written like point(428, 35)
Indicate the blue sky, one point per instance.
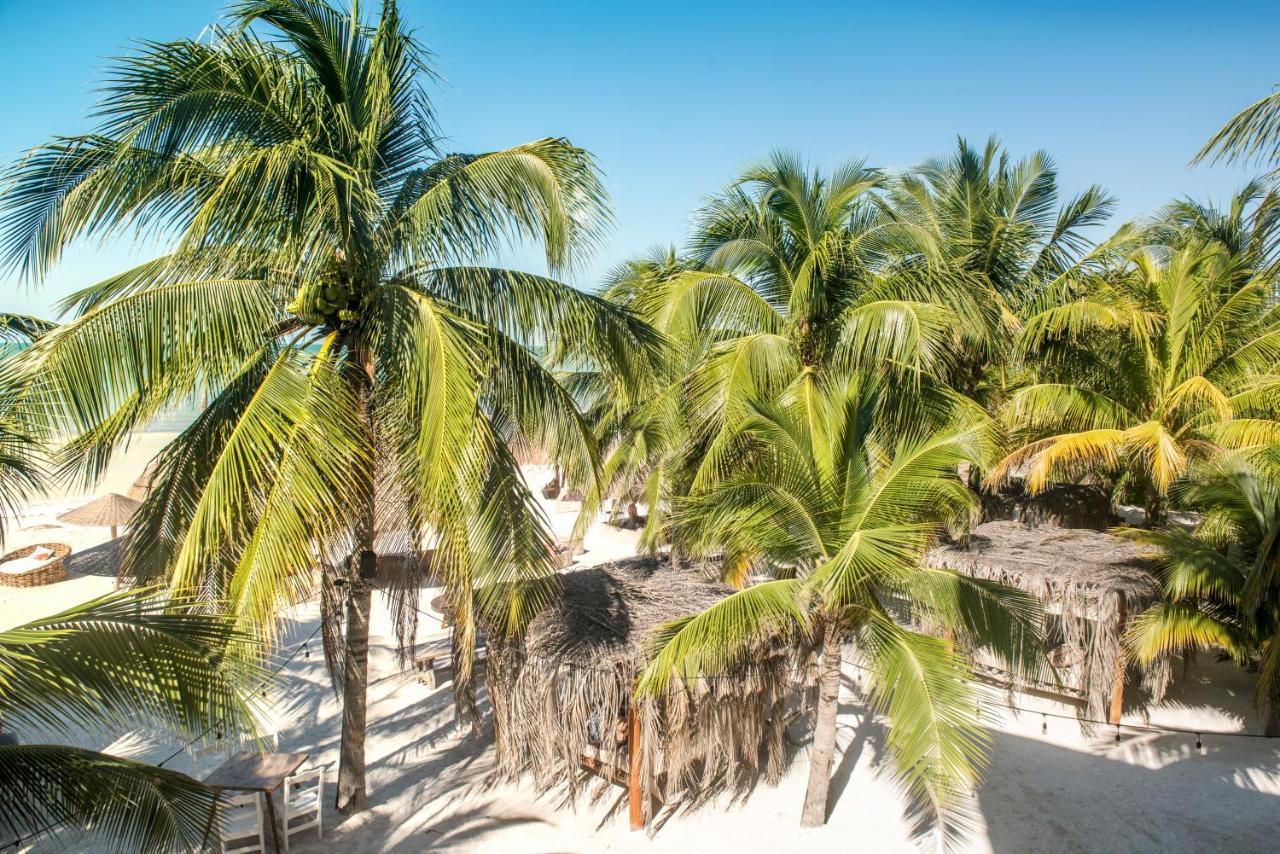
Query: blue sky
point(674, 97)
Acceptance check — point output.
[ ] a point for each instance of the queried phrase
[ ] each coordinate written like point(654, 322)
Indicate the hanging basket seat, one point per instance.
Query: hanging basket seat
point(51, 570)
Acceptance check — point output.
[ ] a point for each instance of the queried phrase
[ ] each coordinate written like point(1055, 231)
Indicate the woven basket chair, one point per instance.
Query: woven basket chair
point(54, 570)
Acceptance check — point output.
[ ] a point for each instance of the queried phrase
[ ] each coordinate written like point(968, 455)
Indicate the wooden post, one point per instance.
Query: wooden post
point(1117, 678)
point(635, 792)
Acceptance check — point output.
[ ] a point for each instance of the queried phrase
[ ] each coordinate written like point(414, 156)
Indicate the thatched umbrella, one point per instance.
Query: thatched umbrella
point(1091, 585)
point(563, 695)
point(111, 510)
point(142, 486)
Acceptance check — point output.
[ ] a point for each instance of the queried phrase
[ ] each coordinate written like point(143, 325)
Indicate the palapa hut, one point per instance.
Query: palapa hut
point(562, 696)
point(1090, 583)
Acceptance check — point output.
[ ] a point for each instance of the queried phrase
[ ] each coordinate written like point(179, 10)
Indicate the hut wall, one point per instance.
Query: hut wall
point(570, 681)
point(1079, 576)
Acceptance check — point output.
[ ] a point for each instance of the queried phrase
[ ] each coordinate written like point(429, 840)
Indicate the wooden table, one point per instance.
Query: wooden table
point(257, 772)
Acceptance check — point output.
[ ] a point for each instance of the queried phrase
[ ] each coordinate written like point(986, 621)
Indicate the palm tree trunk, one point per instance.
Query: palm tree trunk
point(1154, 511)
point(823, 751)
point(351, 796)
point(355, 685)
point(1272, 729)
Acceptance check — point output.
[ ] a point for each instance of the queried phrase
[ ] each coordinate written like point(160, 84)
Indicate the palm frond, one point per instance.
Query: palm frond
point(130, 805)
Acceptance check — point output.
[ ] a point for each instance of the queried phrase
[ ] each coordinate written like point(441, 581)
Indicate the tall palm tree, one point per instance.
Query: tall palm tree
point(839, 510)
point(995, 218)
point(999, 223)
point(326, 290)
point(133, 659)
point(1144, 370)
point(785, 279)
point(1222, 580)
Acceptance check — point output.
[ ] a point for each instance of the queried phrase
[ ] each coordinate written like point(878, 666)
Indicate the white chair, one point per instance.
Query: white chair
point(243, 828)
point(304, 800)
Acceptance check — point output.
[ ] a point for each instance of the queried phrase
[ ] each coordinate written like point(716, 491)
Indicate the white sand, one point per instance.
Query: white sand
point(39, 524)
point(1055, 792)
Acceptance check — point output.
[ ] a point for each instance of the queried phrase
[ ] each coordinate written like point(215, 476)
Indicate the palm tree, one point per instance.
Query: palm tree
point(840, 511)
point(1144, 370)
point(997, 219)
point(133, 659)
point(784, 280)
point(1248, 229)
point(999, 224)
point(326, 290)
point(1222, 580)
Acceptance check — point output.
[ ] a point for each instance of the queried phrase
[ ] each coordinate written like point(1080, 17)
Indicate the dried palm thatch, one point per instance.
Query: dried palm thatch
point(142, 485)
point(1061, 505)
point(1082, 577)
point(107, 511)
point(569, 683)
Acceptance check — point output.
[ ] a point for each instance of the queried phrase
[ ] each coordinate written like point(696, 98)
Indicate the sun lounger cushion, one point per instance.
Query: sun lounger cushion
point(20, 565)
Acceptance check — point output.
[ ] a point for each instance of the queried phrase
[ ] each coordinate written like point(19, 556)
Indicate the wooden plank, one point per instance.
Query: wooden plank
point(606, 770)
point(635, 796)
point(1117, 677)
point(255, 772)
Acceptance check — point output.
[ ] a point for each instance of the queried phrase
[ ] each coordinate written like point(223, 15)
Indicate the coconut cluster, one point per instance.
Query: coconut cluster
point(325, 299)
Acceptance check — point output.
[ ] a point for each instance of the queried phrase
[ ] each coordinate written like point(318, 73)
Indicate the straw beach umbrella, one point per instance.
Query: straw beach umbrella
point(111, 510)
point(142, 485)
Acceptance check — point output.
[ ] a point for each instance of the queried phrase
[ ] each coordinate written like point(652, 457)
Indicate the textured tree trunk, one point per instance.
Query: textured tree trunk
point(351, 783)
point(823, 751)
point(351, 794)
point(1272, 729)
point(1154, 511)
point(633, 514)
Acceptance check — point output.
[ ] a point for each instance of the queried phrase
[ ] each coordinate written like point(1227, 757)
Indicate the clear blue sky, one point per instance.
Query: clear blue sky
point(674, 97)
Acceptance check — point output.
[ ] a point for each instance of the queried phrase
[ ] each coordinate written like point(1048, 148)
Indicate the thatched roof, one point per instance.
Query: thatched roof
point(605, 615)
point(1080, 577)
point(1047, 561)
point(1061, 505)
point(105, 511)
point(141, 487)
point(571, 680)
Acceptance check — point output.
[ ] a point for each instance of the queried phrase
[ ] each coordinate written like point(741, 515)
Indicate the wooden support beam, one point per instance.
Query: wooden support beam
point(1118, 674)
point(635, 791)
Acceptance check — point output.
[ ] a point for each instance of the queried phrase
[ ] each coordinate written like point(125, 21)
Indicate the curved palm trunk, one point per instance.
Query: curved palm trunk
point(351, 794)
point(822, 754)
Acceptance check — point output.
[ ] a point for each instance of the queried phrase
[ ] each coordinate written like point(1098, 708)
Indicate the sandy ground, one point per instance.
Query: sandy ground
point(89, 568)
point(1059, 790)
